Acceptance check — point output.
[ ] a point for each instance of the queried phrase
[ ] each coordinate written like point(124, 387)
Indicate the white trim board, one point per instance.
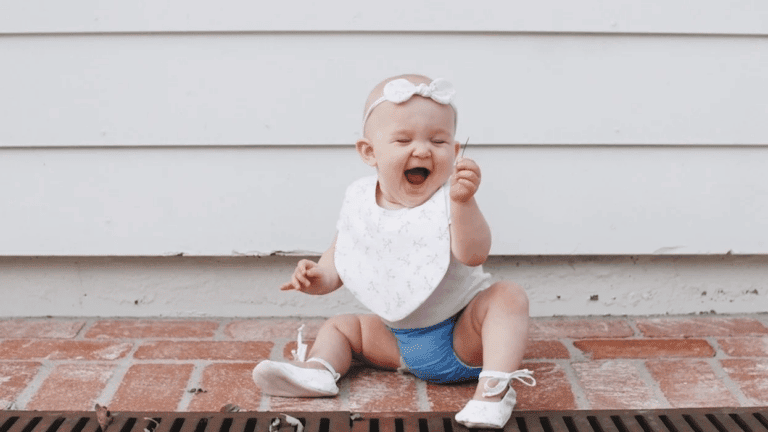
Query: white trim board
point(562, 16)
point(248, 287)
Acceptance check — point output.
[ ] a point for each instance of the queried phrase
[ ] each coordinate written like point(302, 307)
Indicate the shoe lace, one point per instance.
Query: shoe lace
point(300, 353)
point(504, 379)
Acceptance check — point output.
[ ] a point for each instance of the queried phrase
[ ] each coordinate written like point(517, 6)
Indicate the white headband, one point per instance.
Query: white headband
point(400, 90)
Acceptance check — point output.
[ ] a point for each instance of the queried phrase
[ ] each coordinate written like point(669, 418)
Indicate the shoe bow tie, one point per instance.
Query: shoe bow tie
point(400, 90)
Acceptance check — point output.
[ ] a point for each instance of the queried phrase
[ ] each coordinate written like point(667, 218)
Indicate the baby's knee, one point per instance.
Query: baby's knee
point(344, 323)
point(510, 294)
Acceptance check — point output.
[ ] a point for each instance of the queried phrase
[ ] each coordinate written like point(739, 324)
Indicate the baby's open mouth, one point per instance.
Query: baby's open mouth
point(417, 176)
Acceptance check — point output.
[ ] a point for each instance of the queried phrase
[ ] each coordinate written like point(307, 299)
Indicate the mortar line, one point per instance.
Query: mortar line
point(422, 398)
point(87, 325)
point(345, 391)
point(264, 404)
point(575, 356)
point(653, 384)
point(26, 395)
point(218, 334)
point(276, 353)
point(579, 394)
point(574, 353)
point(193, 382)
point(725, 378)
point(113, 384)
point(632, 323)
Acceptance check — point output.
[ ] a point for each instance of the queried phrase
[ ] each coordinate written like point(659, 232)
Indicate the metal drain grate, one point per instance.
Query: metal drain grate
point(674, 420)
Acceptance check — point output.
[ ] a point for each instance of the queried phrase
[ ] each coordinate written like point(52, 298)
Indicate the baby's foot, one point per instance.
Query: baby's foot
point(301, 379)
point(492, 405)
point(481, 388)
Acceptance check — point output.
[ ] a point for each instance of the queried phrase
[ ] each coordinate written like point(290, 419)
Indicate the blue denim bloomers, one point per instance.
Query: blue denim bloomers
point(428, 353)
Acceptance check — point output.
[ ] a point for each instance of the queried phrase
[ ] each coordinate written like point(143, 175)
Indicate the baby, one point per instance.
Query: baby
point(410, 245)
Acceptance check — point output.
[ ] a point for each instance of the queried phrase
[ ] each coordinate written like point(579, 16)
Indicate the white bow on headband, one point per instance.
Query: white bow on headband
point(400, 90)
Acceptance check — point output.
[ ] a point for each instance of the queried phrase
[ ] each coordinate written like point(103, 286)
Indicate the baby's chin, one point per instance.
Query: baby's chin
point(409, 196)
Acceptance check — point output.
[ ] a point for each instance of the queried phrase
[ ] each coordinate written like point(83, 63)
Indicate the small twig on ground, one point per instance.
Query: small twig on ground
point(104, 417)
point(230, 408)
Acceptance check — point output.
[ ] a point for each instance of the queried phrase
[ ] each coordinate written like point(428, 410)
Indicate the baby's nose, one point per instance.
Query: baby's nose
point(421, 149)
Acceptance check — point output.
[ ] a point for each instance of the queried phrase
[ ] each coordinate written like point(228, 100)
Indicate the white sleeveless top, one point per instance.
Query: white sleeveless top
point(393, 261)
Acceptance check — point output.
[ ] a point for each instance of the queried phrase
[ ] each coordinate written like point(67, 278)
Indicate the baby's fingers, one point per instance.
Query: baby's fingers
point(466, 175)
point(301, 277)
point(467, 164)
point(463, 190)
point(295, 284)
point(302, 271)
point(313, 273)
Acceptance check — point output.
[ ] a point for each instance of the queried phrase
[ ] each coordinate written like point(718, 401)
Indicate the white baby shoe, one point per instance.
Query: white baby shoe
point(483, 414)
point(284, 379)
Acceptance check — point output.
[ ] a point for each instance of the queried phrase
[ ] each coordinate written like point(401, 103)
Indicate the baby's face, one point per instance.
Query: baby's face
point(413, 150)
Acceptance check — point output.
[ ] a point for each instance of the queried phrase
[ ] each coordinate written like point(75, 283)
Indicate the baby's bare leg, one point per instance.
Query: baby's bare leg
point(493, 331)
point(363, 335)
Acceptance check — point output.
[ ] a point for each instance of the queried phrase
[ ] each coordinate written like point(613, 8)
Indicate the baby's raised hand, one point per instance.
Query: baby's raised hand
point(306, 277)
point(465, 181)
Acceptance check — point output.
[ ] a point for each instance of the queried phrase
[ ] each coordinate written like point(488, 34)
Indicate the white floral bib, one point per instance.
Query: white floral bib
point(392, 260)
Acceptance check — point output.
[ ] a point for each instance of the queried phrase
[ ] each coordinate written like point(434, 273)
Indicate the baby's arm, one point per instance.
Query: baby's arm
point(315, 278)
point(470, 234)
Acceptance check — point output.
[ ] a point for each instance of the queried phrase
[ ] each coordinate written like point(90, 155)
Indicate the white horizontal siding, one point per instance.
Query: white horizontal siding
point(584, 16)
point(256, 200)
point(223, 128)
point(306, 89)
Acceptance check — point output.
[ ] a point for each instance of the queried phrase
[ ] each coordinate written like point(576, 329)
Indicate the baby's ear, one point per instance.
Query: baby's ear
point(365, 150)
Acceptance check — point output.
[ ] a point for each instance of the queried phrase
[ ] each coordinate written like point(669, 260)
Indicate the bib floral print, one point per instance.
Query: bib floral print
point(392, 260)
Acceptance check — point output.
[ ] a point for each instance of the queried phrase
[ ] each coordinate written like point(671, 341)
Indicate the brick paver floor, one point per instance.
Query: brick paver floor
point(204, 364)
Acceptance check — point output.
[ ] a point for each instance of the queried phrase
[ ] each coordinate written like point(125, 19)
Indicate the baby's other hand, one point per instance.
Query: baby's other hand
point(304, 276)
point(465, 181)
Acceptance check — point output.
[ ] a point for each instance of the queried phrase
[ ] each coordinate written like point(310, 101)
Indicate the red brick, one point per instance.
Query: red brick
point(700, 327)
point(379, 391)
point(72, 387)
point(745, 346)
point(690, 383)
point(44, 329)
point(538, 349)
point(271, 329)
point(552, 391)
point(152, 387)
point(141, 329)
point(615, 385)
point(55, 349)
point(579, 328)
point(751, 375)
point(451, 397)
point(14, 378)
point(213, 350)
point(229, 383)
point(598, 349)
